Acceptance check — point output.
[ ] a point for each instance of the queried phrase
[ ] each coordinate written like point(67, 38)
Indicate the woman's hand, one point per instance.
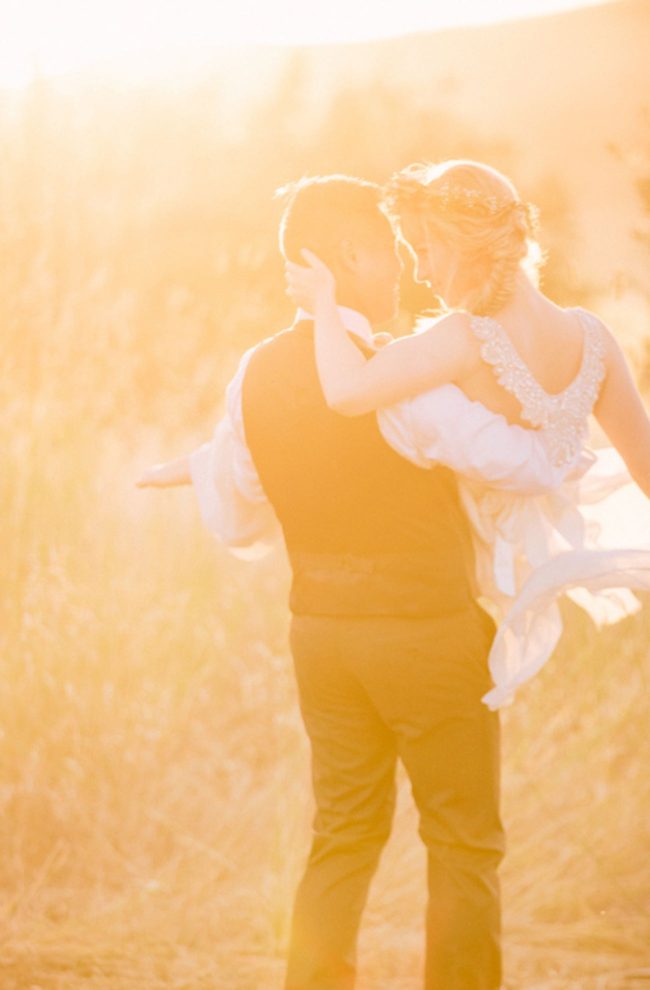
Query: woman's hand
point(310, 285)
point(167, 475)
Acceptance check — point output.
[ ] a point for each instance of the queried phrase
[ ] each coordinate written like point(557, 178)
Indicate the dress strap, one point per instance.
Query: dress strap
point(562, 415)
point(498, 351)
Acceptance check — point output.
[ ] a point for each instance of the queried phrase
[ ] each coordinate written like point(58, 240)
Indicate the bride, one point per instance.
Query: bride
point(505, 347)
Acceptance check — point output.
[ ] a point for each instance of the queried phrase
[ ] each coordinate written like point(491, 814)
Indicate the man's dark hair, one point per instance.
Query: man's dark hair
point(321, 211)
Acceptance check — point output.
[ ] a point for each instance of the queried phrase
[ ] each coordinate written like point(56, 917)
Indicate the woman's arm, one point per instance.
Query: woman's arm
point(354, 385)
point(167, 475)
point(622, 415)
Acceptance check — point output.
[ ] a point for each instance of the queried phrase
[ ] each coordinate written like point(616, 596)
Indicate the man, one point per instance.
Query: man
point(389, 644)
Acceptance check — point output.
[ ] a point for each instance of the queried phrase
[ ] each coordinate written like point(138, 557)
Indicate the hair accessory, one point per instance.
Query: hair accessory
point(469, 199)
point(413, 188)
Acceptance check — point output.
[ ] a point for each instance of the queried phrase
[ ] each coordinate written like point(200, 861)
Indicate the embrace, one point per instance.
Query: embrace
point(436, 495)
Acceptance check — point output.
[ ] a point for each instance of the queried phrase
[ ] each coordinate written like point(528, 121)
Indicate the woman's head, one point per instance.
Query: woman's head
point(469, 230)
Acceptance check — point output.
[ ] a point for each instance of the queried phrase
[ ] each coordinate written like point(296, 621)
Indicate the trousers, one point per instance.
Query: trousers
point(374, 690)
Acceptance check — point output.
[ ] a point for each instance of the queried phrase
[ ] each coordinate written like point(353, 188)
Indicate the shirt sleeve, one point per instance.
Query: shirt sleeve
point(232, 502)
point(444, 426)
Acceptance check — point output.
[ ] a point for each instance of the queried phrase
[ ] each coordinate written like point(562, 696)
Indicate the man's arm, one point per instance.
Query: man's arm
point(168, 474)
point(232, 502)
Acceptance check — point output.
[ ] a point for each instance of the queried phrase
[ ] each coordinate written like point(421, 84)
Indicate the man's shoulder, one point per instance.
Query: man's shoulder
point(273, 365)
point(281, 346)
point(294, 336)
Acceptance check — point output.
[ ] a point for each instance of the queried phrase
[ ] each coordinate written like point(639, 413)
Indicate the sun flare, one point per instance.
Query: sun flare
point(47, 38)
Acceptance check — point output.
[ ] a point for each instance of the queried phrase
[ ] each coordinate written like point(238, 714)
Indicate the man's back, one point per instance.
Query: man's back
point(348, 504)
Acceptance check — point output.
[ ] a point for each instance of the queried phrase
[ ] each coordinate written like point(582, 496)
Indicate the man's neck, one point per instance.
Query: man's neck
point(353, 321)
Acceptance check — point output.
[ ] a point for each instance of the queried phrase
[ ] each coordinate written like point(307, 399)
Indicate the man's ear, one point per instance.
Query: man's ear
point(348, 255)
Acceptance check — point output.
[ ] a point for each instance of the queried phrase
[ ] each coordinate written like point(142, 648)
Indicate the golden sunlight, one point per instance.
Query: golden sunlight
point(156, 794)
point(46, 38)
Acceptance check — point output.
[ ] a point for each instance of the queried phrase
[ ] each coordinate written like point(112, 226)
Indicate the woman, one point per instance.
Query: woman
point(505, 345)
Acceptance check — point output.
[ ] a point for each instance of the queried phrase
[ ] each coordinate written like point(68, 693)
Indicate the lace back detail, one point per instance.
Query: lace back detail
point(562, 416)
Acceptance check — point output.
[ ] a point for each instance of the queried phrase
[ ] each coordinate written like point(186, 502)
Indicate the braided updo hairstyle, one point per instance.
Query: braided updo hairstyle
point(477, 211)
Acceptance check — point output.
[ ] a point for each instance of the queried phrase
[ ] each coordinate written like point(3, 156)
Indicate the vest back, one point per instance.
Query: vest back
point(367, 532)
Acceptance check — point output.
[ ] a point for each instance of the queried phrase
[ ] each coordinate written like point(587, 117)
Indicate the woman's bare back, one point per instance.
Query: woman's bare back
point(549, 343)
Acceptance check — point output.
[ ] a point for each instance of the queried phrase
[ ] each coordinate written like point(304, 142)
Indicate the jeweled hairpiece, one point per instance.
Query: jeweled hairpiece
point(470, 199)
point(412, 189)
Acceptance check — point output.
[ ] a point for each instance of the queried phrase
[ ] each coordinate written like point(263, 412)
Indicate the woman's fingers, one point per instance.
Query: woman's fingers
point(306, 283)
point(313, 263)
point(147, 478)
point(312, 260)
point(298, 275)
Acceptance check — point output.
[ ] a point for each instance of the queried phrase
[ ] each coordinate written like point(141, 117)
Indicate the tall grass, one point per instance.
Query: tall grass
point(154, 779)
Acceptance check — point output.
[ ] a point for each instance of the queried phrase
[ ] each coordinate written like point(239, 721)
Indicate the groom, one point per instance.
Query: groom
point(389, 644)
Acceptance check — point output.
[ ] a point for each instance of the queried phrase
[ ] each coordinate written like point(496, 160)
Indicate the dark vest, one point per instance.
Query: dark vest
point(367, 532)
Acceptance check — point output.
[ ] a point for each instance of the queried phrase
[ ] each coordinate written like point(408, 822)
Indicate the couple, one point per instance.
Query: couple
point(470, 480)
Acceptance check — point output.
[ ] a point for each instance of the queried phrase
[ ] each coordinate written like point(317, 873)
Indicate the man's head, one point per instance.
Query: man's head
point(340, 219)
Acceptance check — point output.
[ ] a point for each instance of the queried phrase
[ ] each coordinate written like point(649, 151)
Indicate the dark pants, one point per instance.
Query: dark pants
point(373, 690)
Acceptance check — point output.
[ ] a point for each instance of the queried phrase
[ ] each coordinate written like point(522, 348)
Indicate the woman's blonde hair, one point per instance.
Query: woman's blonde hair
point(477, 211)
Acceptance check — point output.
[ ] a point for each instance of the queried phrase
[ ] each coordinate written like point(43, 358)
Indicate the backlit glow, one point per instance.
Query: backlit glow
point(40, 36)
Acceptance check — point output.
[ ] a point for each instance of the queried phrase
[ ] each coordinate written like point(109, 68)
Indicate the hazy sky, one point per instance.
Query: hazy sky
point(62, 35)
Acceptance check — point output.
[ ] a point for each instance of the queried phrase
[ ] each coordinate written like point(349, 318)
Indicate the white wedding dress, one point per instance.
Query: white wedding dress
point(582, 528)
